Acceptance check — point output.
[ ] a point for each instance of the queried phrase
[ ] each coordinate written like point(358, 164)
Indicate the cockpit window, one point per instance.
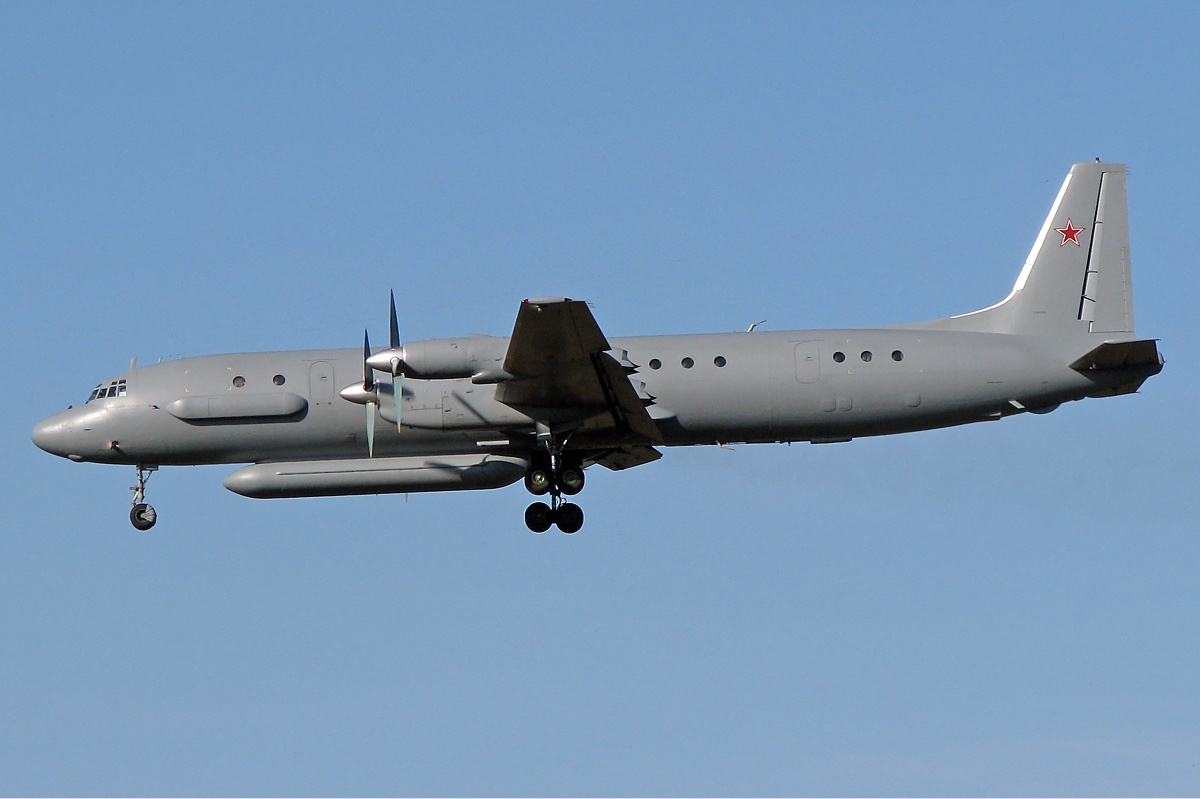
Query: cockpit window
point(115, 388)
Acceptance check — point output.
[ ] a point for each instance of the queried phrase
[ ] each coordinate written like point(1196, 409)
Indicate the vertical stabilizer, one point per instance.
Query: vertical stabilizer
point(1076, 280)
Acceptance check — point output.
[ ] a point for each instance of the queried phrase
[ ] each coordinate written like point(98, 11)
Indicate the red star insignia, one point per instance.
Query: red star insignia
point(1069, 233)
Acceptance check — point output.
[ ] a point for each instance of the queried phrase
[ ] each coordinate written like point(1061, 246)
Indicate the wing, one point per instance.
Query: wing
point(563, 375)
point(626, 457)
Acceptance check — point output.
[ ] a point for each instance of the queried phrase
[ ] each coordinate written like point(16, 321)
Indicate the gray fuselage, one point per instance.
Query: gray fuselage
point(772, 387)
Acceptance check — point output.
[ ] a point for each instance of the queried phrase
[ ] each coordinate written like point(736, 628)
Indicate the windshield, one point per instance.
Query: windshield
point(114, 388)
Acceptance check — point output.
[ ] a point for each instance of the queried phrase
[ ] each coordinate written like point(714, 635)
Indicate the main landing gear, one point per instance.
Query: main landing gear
point(567, 515)
point(142, 515)
point(557, 476)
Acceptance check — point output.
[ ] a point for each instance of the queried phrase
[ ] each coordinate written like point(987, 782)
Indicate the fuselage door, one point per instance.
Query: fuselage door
point(320, 383)
point(808, 362)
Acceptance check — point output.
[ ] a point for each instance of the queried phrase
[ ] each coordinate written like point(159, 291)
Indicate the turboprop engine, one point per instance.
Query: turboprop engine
point(443, 358)
point(478, 357)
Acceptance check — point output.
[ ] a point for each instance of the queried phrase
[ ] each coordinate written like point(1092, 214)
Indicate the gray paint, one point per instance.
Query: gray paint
point(377, 476)
point(1055, 338)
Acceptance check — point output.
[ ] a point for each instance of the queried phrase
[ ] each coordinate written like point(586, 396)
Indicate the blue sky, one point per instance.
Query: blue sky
point(1000, 609)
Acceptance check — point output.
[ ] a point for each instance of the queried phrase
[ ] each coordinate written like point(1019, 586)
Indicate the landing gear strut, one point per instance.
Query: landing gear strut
point(142, 515)
point(550, 472)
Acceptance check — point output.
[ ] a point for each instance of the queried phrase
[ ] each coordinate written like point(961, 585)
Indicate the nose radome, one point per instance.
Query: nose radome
point(50, 435)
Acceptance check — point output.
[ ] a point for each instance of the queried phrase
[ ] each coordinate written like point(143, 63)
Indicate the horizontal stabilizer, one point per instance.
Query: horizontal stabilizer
point(1120, 367)
point(1121, 355)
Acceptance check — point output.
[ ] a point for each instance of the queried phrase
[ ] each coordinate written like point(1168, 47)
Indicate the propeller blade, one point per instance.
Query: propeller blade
point(394, 330)
point(368, 386)
point(394, 344)
point(397, 393)
point(368, 373)
point(371, 429)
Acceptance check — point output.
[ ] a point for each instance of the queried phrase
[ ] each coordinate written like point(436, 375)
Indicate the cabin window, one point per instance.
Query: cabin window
point(838, 357)
point(239, 381)
point(279, 380)
point(655, 363)
point(897, 355)
point(719, 361)
point(866, 356)
point(687, 363)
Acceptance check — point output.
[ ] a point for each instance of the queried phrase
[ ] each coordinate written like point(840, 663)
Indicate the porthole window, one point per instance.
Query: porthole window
point(838, 357)
point(719, 361)
point(897, 355)
point(687, 363)
point(866, 356)
point(239, 381)
point(655, 363)
point(279, 380)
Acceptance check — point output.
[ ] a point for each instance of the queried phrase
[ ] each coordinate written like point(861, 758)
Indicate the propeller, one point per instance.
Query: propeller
point(366, 394)
point(391, 361)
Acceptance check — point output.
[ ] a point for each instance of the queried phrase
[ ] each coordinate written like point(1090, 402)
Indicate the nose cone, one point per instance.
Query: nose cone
point(76, 433)
point(51, 435)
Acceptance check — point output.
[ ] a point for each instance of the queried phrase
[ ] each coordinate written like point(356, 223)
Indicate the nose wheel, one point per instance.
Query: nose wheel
point(142, 515)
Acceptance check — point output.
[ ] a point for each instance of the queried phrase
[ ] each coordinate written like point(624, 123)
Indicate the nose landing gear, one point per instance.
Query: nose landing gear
point(142, 516)
point(550, 473)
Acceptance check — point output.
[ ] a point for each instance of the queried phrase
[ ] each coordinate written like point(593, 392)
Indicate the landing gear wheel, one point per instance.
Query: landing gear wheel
point(538, 481)
point(539, 517)
point(569, 517)
point(570, 480)
point(143, 516)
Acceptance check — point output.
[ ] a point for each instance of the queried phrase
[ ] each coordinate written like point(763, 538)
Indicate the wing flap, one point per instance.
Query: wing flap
point(627, 409)
point(627, 457)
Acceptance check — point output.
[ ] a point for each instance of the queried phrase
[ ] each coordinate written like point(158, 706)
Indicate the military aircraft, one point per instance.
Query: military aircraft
point(558, 396)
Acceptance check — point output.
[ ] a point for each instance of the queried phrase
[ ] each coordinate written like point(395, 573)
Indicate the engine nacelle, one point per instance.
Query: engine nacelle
point(445, 358)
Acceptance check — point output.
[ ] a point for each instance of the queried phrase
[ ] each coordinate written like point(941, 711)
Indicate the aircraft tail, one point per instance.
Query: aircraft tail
point(1076, 281)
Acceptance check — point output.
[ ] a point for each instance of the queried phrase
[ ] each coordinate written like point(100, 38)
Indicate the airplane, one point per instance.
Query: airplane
point(558, 396)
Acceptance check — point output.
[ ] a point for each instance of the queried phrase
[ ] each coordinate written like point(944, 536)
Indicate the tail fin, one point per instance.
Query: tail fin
point(1076, 280)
